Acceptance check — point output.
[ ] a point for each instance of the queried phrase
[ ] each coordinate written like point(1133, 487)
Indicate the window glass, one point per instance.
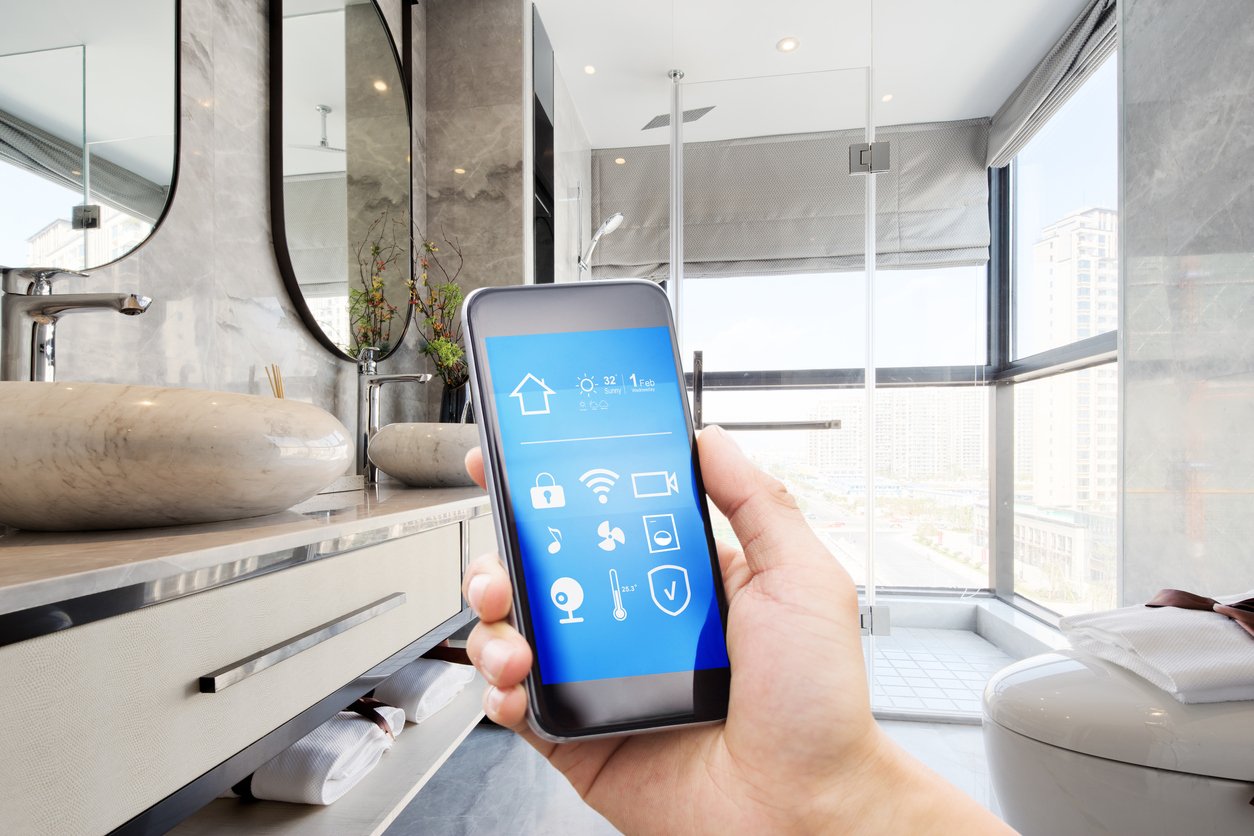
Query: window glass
point(1066, 222)
point(931, 475)
point(1066, 489)
point(818, 321)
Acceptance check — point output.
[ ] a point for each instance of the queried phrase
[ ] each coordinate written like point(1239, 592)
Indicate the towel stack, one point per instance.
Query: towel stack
point(424, 687)
point(333, 758)
point(1196, 656)
point(329, 761)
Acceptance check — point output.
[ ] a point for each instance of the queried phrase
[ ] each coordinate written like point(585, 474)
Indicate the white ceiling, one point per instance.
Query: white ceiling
point(130, 49)
point(940, 59)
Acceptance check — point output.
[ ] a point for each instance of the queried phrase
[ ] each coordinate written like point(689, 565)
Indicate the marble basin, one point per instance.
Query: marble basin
point(425, 455)
point(86, 456)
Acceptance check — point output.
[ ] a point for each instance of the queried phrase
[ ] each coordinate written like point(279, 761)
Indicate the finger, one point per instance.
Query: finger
point(474, 466)
point(765, 517)
point(487, 588)
point(735, 570)
point(500, 653)
point(507, 707)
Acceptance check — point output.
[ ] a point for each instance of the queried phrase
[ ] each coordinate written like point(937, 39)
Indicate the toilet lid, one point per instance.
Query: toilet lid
point(1075, 701)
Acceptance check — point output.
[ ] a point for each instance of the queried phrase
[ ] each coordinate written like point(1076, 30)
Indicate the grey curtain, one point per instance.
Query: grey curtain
point(48, 156)
point(787, 204)
point(1088, 42)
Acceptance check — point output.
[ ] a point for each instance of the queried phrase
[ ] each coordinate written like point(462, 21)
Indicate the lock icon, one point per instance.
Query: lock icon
point(550, 495)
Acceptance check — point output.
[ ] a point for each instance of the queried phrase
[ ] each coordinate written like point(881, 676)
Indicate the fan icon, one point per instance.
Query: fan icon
point(611, 536)
point(600, 481)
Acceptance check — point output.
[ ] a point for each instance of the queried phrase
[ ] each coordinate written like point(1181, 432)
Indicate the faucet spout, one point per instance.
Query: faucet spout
point(369, 384)
point(46, 309)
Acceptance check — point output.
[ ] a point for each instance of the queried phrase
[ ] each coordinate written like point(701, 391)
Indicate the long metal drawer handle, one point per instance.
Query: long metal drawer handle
point(224, 678)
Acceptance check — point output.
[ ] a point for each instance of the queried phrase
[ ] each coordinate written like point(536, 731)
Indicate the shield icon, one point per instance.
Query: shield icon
point(669, 587)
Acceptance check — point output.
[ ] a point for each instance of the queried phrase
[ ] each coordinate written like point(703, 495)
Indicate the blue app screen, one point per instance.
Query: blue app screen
point(599, 469)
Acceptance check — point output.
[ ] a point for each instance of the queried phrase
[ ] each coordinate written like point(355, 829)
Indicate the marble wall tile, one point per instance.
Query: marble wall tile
point(475, 122)
point(1187, 298)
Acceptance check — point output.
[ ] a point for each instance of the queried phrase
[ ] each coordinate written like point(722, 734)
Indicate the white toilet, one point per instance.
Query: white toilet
point(1078, 746)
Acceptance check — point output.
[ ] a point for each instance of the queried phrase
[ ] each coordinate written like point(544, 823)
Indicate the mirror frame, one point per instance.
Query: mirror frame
point(278, 219)
point(178, 152)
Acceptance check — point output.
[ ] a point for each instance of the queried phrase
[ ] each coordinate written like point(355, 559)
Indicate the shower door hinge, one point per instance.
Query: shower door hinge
point(874, 621)
point(868, 158)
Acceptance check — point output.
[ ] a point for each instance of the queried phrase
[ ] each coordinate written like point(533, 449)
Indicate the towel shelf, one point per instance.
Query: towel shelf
point(225, 677)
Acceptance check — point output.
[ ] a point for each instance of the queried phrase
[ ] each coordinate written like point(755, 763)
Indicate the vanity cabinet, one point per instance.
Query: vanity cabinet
point(105, 720)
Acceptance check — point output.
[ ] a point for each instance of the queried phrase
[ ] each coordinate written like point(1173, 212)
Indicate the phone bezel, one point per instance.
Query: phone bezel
point(593, 708)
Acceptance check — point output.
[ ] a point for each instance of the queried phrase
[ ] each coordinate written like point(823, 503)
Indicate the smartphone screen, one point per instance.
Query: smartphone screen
point(605, 517)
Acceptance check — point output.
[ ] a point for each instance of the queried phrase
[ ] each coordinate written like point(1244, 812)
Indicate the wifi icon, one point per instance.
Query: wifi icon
point(600, 481)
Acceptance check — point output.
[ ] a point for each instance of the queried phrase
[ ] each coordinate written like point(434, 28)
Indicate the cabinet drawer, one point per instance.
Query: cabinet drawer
point(480, 537)
point(100, 722)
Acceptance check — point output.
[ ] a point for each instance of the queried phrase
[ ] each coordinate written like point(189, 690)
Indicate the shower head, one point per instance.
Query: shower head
point(610, 224)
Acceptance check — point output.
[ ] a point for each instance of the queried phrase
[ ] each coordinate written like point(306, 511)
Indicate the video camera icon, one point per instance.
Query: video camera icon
point(654, 483)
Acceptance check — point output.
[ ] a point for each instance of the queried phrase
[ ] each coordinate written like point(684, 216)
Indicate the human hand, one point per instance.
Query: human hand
point(799, 750)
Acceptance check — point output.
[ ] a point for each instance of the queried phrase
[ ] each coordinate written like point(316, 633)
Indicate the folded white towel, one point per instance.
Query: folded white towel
point(424, 687)
point(329, 761)
point(1194, 655)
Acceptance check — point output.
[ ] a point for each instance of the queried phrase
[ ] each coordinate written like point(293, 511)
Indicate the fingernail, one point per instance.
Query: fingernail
point(474, 592)
point(495, 697)
point(493, 658)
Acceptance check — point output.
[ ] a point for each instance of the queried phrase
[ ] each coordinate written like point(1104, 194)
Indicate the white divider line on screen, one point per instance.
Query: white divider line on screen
point(593, 438)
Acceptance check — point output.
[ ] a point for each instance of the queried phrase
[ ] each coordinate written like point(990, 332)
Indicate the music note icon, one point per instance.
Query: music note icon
point(556, 545)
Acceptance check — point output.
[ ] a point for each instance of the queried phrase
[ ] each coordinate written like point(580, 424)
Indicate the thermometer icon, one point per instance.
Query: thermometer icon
point(620, 614)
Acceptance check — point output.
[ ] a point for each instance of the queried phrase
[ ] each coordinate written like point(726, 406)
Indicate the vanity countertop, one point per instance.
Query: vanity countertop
point(50, 581)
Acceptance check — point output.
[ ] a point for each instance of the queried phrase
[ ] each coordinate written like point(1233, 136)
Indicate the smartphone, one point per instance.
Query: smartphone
point(600, 512)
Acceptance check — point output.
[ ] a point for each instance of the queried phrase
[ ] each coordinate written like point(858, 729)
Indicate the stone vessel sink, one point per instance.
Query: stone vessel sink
point(425, 455)
point(87, 456)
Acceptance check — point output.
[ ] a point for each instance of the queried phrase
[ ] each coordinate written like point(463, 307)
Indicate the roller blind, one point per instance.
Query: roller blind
point(48, 156)
point(1088, 42)
point(787, 204)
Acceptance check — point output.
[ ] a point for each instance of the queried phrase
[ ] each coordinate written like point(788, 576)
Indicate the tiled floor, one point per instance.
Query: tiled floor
point(933, 670)
point(495, 783)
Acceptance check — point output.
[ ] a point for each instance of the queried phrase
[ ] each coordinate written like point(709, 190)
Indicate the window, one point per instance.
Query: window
point(1058, 490)
point(1066, 220)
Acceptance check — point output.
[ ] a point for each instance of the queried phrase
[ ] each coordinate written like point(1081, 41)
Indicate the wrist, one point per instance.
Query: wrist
point(885, 790)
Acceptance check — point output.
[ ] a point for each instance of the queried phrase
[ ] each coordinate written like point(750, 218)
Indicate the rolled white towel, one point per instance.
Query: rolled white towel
point(329, 761)
point(424, 687)
point(1194, 655)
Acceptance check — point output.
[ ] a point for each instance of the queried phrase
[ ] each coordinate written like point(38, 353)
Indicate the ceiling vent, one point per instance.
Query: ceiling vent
point(663, 120)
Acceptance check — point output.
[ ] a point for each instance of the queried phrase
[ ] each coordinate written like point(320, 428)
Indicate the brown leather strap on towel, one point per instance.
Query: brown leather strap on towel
point(366, 708)
point(1242, 612)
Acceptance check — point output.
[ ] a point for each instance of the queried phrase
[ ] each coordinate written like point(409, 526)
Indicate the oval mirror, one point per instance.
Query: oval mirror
point(88, 128)
point(340, 172)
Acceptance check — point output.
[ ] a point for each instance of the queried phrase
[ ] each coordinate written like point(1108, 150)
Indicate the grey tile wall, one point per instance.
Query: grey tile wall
point(475, 122)
point(1188, 297)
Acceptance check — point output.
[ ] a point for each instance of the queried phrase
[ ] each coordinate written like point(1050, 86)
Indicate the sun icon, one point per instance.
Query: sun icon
point(587, 385)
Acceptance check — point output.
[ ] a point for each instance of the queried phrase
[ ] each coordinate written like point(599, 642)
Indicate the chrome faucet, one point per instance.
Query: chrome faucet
point(369, 382)
point(28, 293)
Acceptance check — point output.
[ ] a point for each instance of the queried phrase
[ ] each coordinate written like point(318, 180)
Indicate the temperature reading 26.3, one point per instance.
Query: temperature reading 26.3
point(641, 383)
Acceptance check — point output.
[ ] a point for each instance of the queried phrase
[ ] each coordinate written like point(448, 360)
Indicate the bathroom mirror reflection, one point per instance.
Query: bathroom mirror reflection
point(341, 172)
point(88, 128)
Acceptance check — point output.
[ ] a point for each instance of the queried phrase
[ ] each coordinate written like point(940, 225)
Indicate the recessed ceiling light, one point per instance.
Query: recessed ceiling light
point(381, 85)
point(590, 70)
point(619, 161)
point(788, 44)
point(887, 97)
point(459, 171)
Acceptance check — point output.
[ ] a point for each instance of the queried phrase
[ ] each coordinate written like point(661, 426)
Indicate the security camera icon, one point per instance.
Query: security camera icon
point(567, 596)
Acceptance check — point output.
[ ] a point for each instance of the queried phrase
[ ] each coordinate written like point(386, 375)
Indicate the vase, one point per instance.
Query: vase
point(453, 402)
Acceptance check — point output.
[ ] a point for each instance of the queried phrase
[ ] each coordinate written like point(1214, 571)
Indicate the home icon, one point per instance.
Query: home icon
point(533, 395)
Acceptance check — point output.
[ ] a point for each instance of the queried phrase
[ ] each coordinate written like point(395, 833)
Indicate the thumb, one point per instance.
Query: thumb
point(764, 515)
